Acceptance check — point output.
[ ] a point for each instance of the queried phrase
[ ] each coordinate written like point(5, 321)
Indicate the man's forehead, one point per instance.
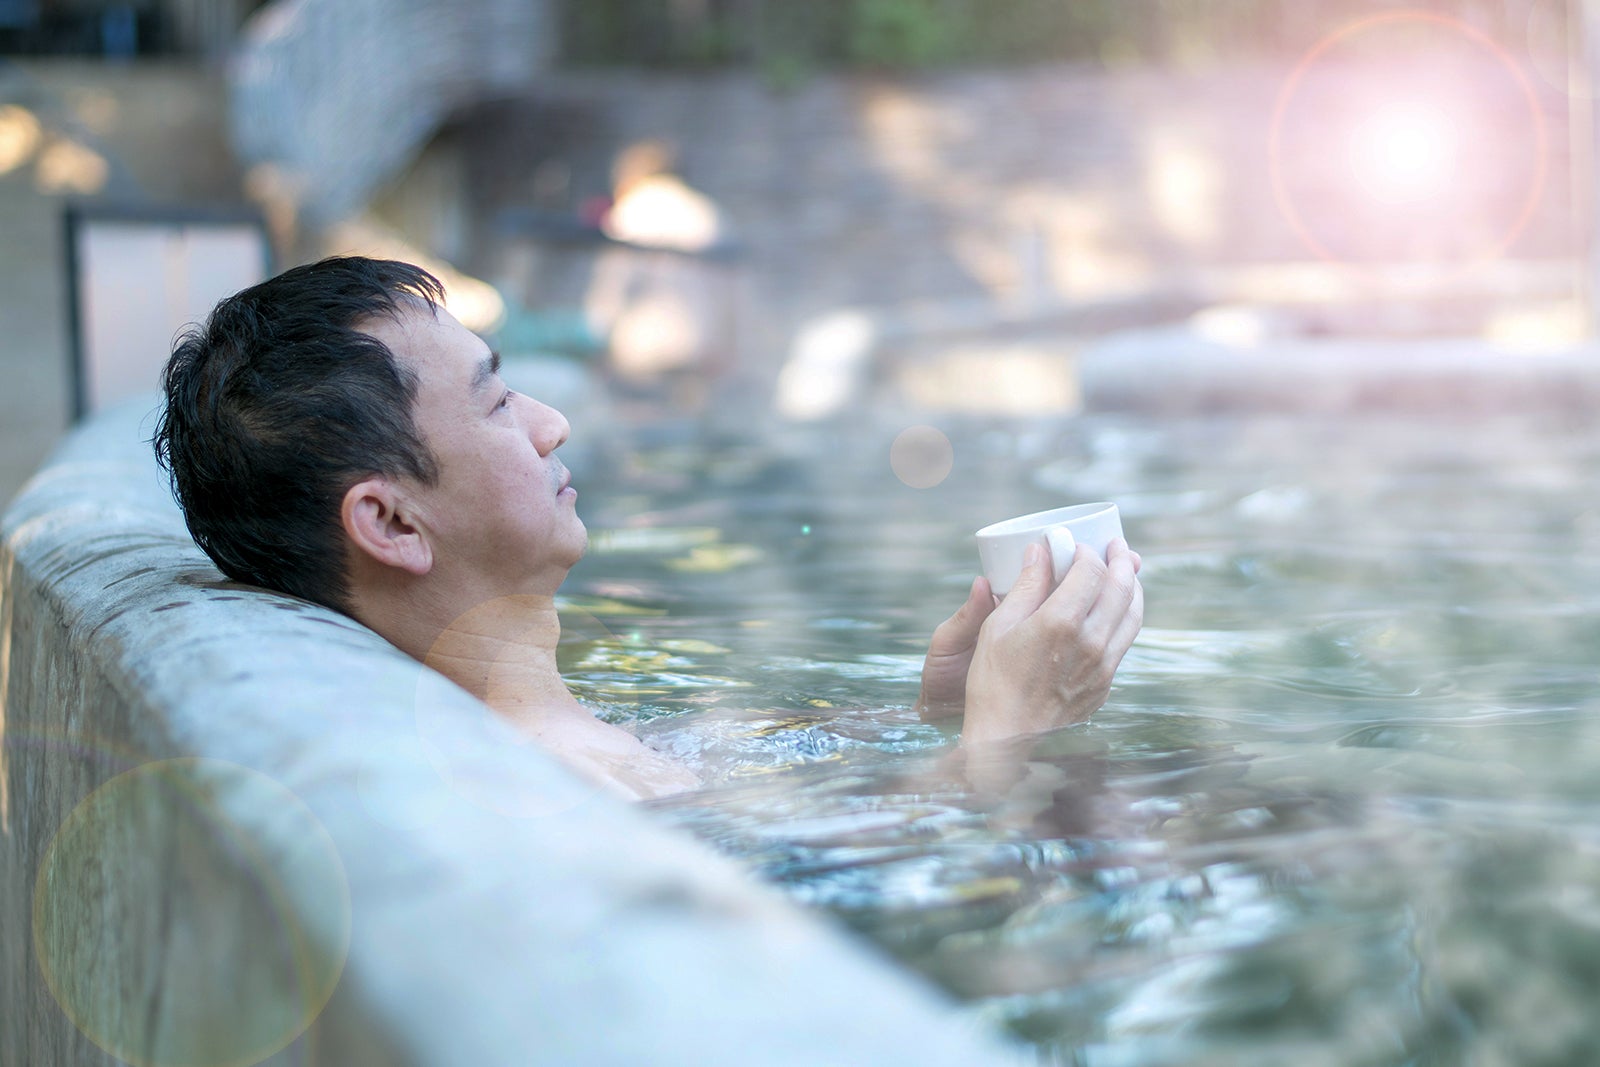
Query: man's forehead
point(426, 338)
point(408, 315)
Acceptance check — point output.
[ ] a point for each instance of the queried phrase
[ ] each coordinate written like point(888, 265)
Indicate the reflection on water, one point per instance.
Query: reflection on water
point(1341, 809)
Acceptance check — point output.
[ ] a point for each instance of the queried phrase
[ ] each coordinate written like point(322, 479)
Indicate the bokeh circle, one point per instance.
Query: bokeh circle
point(921, 456)
point(137, 901)
point(464, 743)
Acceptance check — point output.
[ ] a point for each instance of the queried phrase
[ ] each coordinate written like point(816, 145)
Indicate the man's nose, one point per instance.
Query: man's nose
point(550, 429)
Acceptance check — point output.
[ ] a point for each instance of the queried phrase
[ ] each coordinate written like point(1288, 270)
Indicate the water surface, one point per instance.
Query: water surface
point(1340, 809)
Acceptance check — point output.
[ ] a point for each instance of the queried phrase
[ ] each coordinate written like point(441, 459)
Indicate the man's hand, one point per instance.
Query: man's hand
point(944, 672)
point(1041, 659)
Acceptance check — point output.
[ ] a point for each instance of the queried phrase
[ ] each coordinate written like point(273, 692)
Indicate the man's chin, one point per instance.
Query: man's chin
point(583, 545)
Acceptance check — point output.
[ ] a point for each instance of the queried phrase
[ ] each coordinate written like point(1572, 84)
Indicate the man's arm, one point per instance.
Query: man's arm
point(1039, 660)
point(609, 755)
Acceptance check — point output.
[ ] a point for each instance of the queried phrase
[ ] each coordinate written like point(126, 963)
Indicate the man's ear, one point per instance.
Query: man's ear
point(376, 518)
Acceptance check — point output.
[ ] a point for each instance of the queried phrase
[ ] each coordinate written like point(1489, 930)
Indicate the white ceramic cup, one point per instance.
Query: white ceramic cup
point(1000, 546)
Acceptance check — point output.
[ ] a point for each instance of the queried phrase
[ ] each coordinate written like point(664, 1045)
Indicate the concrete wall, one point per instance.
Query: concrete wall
point(339, 94)
point(235, 827)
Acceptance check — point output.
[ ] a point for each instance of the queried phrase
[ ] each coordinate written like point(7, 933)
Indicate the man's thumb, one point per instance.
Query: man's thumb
point(979, 604)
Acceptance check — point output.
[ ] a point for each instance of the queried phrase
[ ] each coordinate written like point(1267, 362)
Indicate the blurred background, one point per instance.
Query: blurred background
point(835, 282)
point(659, 206)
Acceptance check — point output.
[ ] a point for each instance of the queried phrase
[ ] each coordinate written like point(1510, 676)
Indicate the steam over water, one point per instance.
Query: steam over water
point(1343, 806)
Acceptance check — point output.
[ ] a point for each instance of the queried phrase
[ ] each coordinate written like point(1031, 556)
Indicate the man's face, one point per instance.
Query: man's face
point(502, 516)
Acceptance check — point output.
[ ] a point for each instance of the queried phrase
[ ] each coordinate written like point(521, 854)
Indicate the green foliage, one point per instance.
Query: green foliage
point(785, 71)
point(903, 33)
point(787, 39)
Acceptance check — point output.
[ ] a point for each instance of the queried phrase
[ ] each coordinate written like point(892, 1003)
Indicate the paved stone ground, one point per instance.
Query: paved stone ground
point(151, 131)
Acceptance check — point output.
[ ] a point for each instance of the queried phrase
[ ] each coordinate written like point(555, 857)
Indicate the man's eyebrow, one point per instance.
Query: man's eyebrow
point(486, 370)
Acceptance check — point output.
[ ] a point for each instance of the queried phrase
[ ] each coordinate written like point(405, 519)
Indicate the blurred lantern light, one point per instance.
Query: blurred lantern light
point(20, 136)
point(68, 167)
point(1405, 153)
point(475, 303)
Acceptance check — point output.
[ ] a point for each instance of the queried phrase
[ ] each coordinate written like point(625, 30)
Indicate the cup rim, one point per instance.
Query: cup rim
point(1043, 520)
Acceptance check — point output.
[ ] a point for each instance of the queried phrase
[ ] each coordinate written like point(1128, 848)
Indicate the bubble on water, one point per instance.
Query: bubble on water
point(921, 456)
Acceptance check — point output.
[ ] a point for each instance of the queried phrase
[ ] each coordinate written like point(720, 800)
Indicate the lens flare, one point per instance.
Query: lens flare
point(1418, 157)
point(1405, 153)
point(461, 743)
point(921, 456)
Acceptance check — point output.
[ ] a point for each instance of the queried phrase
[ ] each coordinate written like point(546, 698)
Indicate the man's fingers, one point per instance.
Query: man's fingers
point(1117, 592)
point(980, 602)
point(1079, 590)
point(1121, 606)
point(959, 633)
point(1029, 590)
point(1122, 636)
point(1093, 597)
point(1120, 547)
point(1128, 626)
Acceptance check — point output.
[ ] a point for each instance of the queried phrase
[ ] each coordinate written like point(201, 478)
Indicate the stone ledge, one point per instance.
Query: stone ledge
point(289, 811)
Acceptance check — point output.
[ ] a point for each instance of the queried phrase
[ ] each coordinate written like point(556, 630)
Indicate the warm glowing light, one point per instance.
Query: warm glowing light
point(663, 212)
point(69, 167)
point(475, 303)
point(1551, 326)
point(1184, 186)
point(994, 379)
point(1405, 153)
point(20, 134)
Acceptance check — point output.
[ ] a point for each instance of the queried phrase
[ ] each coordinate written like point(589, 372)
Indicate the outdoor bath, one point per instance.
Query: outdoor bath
point(1307, 290)
point(1339, 808)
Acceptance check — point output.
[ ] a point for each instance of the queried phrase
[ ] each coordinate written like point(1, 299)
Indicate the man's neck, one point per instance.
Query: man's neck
point(502, 651)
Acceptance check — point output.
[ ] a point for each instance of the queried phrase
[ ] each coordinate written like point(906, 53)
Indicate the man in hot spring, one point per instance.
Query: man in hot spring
point(335, 434)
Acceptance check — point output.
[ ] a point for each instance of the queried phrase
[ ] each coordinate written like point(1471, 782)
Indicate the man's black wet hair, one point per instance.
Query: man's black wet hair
point(277, 406)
